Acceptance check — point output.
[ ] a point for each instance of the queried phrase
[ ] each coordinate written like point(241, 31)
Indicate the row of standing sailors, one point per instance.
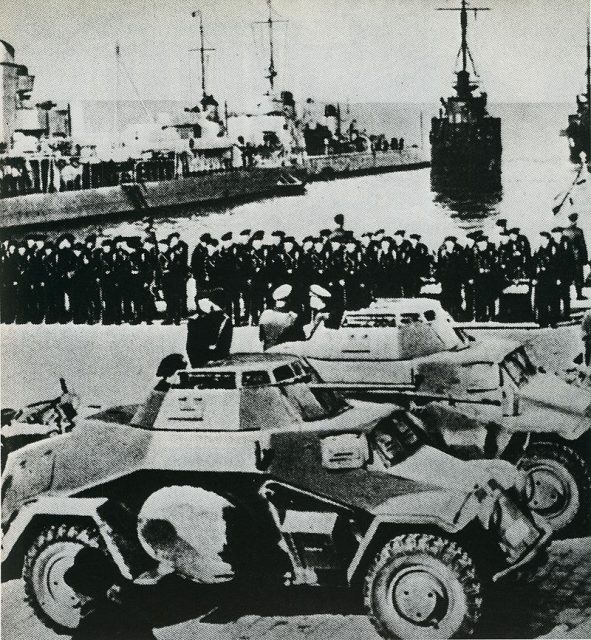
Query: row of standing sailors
point(120, 280)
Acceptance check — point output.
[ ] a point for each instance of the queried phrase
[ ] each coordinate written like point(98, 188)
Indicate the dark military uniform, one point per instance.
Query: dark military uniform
point(486, 282)
point(546, 294)
point(8, 284)
point(402, 275)
point(449, 273)
point(227, 272)
point(198, 263)
point(581, 256)
point(418, 267)
point(356, 293)
point(209, 337)
point(383, 270)
point(109, 287)
point(82, 282)
point(259, 282)
point(566, 269)
point(143, 266)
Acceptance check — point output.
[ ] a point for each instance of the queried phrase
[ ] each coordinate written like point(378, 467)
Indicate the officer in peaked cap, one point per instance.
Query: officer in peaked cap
point(581, 256)
point(324, 233)
point(280, 324)
point(321, 303)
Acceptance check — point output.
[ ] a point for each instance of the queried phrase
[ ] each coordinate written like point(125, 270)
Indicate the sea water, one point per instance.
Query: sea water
point(535, 169)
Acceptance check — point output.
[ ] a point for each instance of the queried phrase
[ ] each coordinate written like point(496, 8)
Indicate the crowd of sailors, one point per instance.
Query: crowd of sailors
point(138, 279)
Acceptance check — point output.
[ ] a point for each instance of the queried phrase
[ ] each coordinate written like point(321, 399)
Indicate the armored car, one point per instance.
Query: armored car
point(485, 398)
point(246, 469)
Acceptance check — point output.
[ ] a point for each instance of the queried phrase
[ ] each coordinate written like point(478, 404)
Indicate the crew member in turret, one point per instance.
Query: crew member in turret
point(280, 324)
point(209, 331)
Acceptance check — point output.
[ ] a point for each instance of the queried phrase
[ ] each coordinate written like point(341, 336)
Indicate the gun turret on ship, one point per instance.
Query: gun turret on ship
point(578, 130)
point(465, 138)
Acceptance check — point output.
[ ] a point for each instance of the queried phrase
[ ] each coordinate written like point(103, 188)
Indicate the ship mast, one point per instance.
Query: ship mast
point(589, 62)
point(202, 49)
point(463, 75)
point(272, 71)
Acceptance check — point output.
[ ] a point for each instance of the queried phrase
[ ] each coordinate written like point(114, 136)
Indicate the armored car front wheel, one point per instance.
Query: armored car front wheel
point(559, 486)
point(422, 586)
point(49, 557)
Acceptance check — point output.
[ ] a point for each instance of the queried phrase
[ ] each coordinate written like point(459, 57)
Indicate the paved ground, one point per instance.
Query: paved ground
point(555, 603)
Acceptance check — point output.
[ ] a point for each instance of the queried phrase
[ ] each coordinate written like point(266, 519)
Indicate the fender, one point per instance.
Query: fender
point(115, 525)
point(404, 520)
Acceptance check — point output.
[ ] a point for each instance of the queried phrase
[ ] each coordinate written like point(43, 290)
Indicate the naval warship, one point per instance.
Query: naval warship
point(204, 156)
point(578, 131)
point(465, 138)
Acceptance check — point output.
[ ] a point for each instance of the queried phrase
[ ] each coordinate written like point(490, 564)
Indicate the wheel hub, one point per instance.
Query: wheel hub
point(53, 593)
point(551, 490)
point(419, 597)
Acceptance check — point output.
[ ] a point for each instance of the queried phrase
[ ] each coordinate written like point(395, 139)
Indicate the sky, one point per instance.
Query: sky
point(331, 50)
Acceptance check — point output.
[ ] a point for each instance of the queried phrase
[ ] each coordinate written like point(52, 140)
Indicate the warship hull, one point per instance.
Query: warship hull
point(345, 165)
point(467, 150)
point(138, 199)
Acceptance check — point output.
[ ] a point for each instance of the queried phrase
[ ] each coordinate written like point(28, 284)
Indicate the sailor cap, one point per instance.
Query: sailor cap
point(227, 236)
point(400, 232)
point(557, 230)
point(501, 222)
point(245, 232)
point(282, 292)
point(415, 236)
point(319, 292)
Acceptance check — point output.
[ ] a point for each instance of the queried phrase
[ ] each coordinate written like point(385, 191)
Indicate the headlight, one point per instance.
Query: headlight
point(515, 530)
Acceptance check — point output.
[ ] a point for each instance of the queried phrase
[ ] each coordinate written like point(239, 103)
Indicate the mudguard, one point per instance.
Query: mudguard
point(115, 525)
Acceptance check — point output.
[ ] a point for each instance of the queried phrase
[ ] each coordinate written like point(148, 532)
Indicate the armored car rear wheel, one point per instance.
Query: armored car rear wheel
point(559, 482)
point(422, 586)
point(46, 561)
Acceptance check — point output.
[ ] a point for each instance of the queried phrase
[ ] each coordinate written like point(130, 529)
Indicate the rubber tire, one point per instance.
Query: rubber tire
point(402, 552)
point(577, 468)
point(84, 536)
